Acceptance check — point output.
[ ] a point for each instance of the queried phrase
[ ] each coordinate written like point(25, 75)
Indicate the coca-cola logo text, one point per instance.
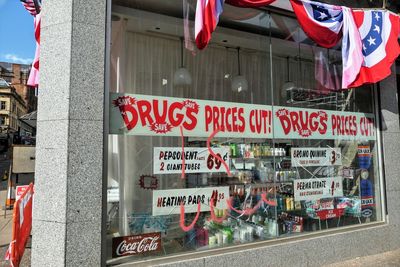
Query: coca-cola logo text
point(136, 244)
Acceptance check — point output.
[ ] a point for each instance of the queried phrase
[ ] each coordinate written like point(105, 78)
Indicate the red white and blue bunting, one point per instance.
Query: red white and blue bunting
point(369, 37)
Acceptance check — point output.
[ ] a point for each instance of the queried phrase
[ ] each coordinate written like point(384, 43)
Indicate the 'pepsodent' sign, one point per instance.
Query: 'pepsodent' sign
point(134, 114)
point(169, 160)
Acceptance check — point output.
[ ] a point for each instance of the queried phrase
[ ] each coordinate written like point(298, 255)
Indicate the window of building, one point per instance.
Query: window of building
point(260, 143)
point(2, 105)
point(2, 120)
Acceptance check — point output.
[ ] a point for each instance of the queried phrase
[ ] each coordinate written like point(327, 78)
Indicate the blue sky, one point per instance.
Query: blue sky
point(17, 41)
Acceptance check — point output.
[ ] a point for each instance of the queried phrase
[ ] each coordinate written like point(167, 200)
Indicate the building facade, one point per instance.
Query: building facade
point(12, 106)
point(310, 172)
point(17, 76)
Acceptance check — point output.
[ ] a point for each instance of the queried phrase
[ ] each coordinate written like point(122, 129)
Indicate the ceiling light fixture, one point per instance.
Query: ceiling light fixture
point(288, 85)
point(239, 82)
point(182, 76)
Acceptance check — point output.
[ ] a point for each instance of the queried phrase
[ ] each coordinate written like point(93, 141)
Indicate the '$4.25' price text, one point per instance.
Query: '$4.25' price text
point(217, 197)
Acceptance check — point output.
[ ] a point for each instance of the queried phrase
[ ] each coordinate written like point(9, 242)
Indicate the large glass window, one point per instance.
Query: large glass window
point(249, 140)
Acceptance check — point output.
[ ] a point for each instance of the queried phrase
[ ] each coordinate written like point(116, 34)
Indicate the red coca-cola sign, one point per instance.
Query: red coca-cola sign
point(136, 244)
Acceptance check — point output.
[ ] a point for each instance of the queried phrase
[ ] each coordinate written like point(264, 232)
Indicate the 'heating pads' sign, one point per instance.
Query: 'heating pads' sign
point(306, 157)
point(317, 188)
point(166, 202)
point(134, 114)
point(169, 160)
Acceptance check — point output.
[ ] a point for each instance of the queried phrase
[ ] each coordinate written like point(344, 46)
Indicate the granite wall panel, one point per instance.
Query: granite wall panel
point(68, 202)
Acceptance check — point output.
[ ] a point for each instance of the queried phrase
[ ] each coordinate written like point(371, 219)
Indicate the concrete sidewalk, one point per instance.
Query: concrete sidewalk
point(387, 259)
point(5, 221)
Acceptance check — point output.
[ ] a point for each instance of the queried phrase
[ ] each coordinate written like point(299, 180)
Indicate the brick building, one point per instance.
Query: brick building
point(17, 76)
point(16, 98)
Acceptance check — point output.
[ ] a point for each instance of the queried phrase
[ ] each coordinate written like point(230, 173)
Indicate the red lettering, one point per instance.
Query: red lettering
point(234, 125)
point(339, 126)
point(367, 127)
point(334, 124)
point(354, 121)
point(222, 119)
point(130, 121)
point(347, 125)
point(285, 121)
point(294, 117)
point(216, 118)
point(242, 127)
point(251, 122)
point(258, 121)
point(323, 126)
point(208, 118)
point(160, 118)
point(303, 120)
point(190, 114)
point(144, 108)
point(264, 115)
point(175, 118)
point(313, 121)
point(227, 124)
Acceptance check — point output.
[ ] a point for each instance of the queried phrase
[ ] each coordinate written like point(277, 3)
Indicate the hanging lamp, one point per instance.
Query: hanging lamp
point(239, 82)
point(182, 76)
point(288, 85)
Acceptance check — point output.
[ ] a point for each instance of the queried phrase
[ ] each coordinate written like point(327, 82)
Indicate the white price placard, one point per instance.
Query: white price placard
point(166, 202)
point(315, 156)
point(168, 160)
point(317, 188)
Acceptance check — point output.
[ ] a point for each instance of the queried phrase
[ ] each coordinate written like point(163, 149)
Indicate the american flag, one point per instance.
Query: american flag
point(31, 7)
point(34, 7)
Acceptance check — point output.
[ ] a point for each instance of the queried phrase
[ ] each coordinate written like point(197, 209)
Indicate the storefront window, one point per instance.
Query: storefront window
point(251, 139)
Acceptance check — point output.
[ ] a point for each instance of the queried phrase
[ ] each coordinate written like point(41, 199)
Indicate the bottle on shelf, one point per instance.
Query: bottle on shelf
point(288, 204)
point(234, 150)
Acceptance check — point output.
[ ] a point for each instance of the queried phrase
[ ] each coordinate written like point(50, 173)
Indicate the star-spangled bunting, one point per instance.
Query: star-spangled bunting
point(379, 31)
point(367, 53)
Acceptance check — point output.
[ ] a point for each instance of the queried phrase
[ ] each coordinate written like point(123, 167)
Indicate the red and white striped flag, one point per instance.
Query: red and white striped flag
point(29, 5)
